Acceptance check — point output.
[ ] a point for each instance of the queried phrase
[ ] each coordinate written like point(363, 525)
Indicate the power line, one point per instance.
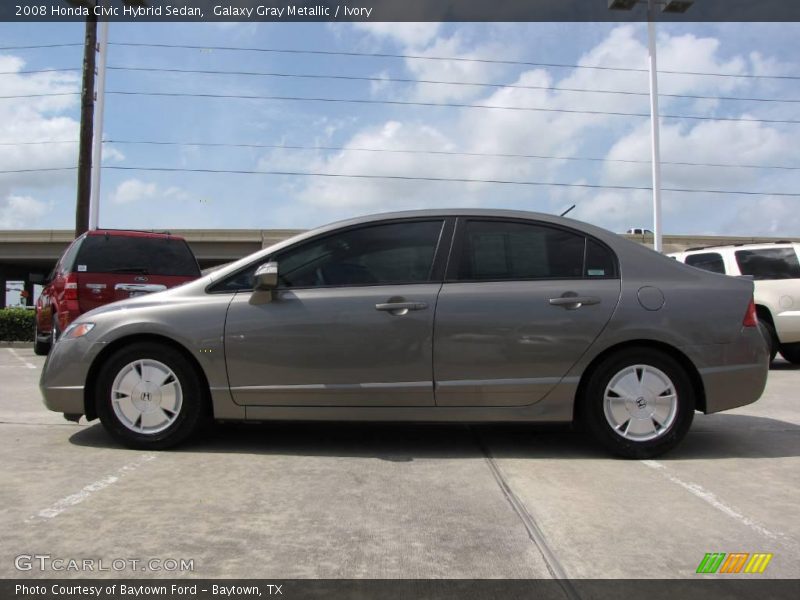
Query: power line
point(40, 46)
point(437, 104)
point(447, 58)
point(440, 152)
point(44, 95)
point(37, 170)
point(444, 179)
point(431, 81)
point(36, 71)
point(406, 80)
point(407, 151)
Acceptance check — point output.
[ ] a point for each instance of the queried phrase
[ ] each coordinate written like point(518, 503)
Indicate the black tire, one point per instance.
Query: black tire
point(768, 331)
point(40, 348)
point(592, 408)
point(192, 415)
point(791, 352)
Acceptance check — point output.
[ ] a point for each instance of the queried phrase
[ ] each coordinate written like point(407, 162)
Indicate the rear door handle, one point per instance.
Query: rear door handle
point(574, 302)
point(400, 308)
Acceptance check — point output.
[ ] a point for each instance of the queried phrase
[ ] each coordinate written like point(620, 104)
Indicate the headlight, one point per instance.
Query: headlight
point(76, 330)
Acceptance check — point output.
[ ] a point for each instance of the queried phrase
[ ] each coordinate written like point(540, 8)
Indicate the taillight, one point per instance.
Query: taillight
point(750, 317)
point(71, 287)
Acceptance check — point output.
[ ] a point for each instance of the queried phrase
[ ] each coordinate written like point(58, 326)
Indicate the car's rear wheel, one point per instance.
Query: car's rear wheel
point(149, 396)
point(40, 348)
point(791, 352)
point(768, 331)
point(638, 403)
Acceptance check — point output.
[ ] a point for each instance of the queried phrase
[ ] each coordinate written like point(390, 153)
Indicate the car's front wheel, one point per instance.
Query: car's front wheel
point(149, 396)
point(638, 403)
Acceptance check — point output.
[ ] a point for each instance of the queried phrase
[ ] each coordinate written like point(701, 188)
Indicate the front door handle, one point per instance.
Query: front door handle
point(400, 308)
point(573, 301)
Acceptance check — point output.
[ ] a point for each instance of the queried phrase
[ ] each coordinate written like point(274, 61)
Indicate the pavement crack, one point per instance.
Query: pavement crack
point(554, 566)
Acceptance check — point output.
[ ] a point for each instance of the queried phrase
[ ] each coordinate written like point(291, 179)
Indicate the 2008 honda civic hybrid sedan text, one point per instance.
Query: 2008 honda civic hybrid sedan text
point(451, 315)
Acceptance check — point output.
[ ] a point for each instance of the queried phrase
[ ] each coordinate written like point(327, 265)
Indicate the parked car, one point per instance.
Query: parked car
point(776, 270)
point(103, 266)
point(638, 231)
point(454, 315)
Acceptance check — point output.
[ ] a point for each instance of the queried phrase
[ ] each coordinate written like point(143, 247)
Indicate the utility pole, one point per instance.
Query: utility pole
point(655, 136)
point(86, 133)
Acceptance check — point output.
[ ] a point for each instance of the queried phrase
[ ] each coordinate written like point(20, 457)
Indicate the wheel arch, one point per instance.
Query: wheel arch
point(94, 370)
point(691, 370)
point(763, 311)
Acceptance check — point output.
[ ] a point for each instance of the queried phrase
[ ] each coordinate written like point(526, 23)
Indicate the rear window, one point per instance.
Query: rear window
point(145, 255)
point(769, 263)
point(708, 261)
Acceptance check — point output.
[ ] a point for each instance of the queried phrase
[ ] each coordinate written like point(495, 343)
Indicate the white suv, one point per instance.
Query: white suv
point(775, 269)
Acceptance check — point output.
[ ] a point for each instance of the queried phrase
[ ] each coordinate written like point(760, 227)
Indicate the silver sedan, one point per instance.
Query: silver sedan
point(450, 315)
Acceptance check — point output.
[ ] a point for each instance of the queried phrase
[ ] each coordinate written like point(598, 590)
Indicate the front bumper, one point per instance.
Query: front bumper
point(64, 375)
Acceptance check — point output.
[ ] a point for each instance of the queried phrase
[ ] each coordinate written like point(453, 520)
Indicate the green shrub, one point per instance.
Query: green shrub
point(16, 324)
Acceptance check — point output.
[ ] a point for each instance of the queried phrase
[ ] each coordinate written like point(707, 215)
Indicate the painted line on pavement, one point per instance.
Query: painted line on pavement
point(712, 499)
point(67, 502)
point(30, 365)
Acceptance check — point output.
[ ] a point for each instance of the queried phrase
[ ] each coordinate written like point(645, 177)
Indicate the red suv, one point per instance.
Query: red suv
point(103, 266)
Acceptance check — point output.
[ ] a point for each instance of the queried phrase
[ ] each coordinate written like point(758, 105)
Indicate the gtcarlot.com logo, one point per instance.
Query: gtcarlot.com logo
point(735, 562)
point(46, 562)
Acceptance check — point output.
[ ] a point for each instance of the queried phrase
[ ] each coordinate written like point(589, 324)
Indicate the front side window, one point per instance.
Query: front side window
point(499, 250)
point(708, 261)
point(769, 263)
point(388, 254)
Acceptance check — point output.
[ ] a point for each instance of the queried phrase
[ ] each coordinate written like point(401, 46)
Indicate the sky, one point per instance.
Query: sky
point(385, 137)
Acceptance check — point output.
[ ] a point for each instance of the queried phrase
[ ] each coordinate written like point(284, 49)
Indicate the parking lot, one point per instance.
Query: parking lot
point(290, 500)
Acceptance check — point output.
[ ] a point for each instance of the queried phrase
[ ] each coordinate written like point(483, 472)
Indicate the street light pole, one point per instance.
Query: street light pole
point(667, 6)
point(655, 137)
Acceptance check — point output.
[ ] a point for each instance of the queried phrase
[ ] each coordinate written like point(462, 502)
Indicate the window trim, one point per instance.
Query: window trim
point(459, 240)
point(435, 274)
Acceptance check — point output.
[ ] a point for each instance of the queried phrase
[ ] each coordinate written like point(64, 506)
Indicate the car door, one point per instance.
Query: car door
point(521, 303)
point(350, 324)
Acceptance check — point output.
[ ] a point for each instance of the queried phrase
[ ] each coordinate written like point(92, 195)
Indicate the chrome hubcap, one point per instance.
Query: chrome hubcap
point(640, 403)
point(146, 396)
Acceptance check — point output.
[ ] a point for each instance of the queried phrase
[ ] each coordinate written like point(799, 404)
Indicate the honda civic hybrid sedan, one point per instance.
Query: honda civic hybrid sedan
point(448, 315)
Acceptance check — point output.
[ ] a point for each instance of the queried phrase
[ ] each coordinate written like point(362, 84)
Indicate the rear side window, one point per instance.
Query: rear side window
point(67, 263)
point(708, 261)
point(769, 263)
point(145, 255)
point(498, 250)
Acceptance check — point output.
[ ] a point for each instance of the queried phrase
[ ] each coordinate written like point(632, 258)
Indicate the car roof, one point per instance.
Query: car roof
point(132, 233)
point(757, 246)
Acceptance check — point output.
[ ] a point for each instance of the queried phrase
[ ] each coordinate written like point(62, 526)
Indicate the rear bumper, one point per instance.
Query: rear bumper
point(734, 374)
point(787, 326)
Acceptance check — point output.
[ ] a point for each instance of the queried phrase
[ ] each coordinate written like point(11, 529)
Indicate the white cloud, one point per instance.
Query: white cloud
point(33, 118)
point(136, 190)
point(412, 35)
point(17, 212)
point(566, 134)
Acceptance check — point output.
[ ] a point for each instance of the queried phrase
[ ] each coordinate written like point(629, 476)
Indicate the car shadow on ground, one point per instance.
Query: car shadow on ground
point(711, 437)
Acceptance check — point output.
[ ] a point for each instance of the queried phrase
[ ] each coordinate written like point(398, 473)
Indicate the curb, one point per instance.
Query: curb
point(4, 344)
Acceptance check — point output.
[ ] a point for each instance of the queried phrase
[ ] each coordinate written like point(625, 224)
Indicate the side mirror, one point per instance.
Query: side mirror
point(265, 280)
point(266, 277)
